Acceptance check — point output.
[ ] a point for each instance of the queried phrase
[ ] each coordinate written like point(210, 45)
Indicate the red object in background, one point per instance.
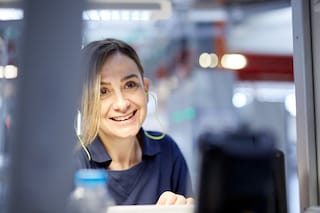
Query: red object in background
point(260, 67)
point(162, 71)
point(263, 67)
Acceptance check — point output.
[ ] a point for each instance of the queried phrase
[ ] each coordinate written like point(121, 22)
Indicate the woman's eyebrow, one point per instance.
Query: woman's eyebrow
point(129, 76)
point(104, 83)
point(123, 79)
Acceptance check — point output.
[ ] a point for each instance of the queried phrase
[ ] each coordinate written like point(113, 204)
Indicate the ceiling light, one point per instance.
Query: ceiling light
point(10, 72)
point(125, 15)
point(92, 15)
point(7, 14)
point(214, 60)
point(234, 61)
point(207, 15)
point(127, 10)
point(117, 15)
point(204, 60)
point(239, 100)
point(208, 60)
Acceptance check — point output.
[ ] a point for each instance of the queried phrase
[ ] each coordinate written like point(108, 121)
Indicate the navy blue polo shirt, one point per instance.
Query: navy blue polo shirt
point(163, 168)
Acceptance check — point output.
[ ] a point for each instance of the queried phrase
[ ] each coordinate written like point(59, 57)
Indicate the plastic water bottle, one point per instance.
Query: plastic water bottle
point(91, 193)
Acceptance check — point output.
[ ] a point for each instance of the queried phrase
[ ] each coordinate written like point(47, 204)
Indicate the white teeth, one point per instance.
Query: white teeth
point(122, 118)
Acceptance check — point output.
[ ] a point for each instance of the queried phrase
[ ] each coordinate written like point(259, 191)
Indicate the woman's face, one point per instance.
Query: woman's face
point(123, 97)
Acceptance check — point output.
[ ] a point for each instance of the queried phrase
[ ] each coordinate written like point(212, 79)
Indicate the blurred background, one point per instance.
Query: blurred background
point(213, 65)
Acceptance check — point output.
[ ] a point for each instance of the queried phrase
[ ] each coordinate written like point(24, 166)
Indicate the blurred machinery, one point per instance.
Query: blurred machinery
point(241, 171)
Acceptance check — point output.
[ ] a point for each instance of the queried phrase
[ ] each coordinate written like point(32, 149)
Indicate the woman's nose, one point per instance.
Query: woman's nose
point(121, 103)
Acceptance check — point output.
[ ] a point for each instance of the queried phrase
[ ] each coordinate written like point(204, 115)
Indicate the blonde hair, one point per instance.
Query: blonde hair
point(94, 56)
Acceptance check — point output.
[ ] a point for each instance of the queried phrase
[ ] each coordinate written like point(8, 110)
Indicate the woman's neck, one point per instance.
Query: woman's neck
point(124, 153)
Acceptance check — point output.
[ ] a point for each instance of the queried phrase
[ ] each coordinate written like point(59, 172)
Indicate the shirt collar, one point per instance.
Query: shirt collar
point(99, 154)
point(97, 151)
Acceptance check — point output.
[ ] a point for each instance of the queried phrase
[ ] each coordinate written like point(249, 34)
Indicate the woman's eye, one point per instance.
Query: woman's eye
point(131, 84)
point(104, 91)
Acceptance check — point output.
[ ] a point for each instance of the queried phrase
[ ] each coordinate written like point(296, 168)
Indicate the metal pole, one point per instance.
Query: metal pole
point(305, 103)
point(48, 90)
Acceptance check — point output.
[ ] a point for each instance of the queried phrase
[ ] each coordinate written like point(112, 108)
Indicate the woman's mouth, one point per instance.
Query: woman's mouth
point(124, 118)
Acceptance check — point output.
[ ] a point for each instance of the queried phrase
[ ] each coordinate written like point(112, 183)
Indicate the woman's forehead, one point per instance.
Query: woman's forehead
point(119, 73)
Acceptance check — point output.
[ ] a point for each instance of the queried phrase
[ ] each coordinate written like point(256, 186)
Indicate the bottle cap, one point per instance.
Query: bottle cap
point(90, 177)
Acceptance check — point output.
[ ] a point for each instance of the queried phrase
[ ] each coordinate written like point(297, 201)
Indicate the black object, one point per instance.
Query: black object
point(241, 172)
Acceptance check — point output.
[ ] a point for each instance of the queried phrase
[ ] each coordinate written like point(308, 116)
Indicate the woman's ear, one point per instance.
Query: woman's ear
point(146, 84)
point(146, 87)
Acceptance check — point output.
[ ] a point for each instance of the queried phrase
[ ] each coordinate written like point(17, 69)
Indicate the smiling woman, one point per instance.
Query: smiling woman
point(142, 167)
point(123, 98)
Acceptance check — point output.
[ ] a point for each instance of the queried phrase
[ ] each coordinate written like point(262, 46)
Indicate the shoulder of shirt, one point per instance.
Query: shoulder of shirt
point(167, 145)
point(167, 140)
